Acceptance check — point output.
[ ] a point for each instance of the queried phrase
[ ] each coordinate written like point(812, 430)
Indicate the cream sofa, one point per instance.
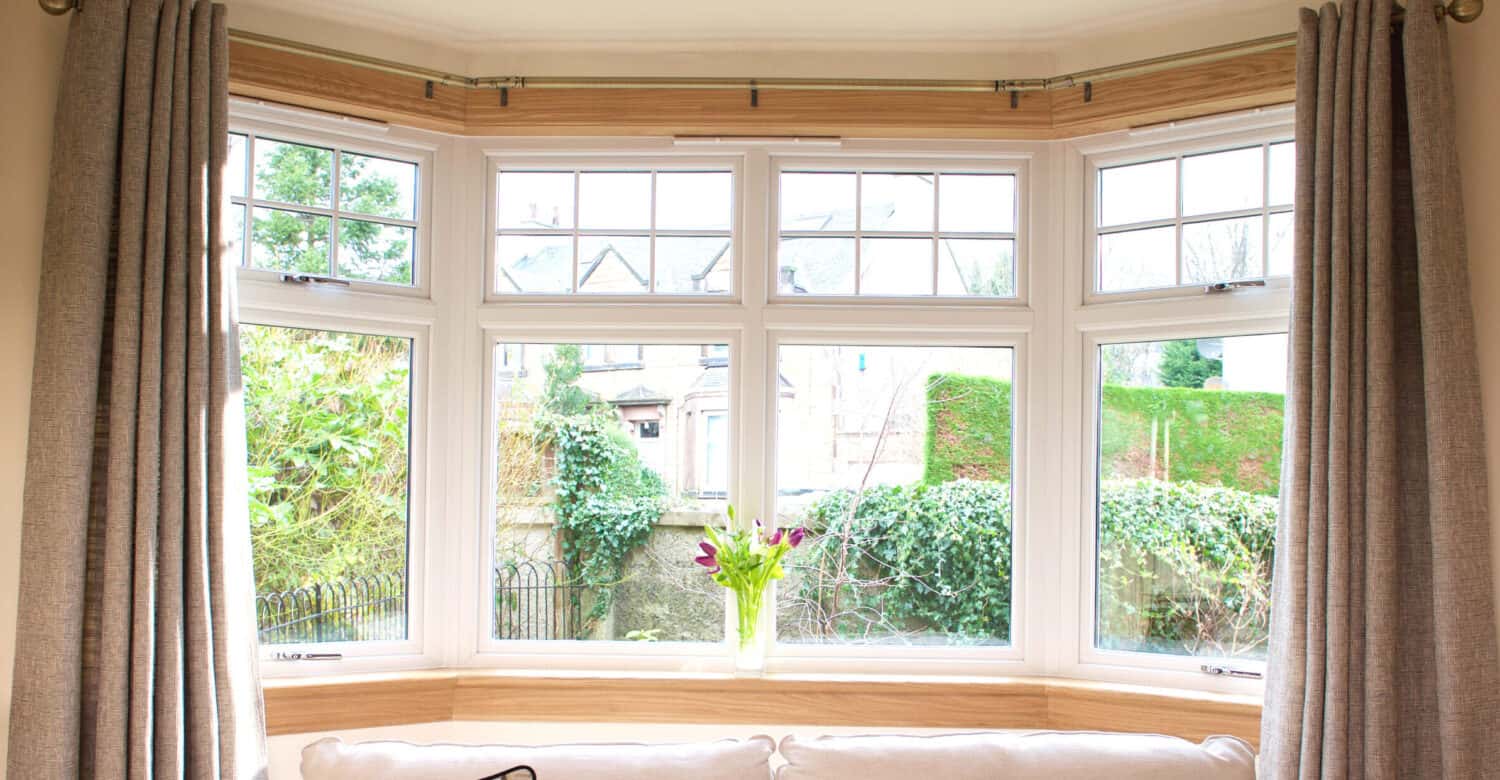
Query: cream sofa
point(1041, 755)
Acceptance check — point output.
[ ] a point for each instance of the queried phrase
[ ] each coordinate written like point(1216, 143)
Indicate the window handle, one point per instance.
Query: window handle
point(308, 657)
point(1219, 287)
point(312, 279)
point(1229, 671)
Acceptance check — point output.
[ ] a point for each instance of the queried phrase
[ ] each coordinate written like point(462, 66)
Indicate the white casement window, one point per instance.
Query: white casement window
point(1018, 447)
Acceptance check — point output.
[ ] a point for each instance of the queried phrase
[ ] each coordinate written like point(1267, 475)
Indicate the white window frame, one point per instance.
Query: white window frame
point(1007, 163)
point(1149, 147)
point(603, 161)
point(377, 309)
point(256, 121)
point(1054, 324)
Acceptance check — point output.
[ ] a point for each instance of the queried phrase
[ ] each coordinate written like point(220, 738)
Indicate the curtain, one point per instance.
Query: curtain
point(1383, 651)
point(135, 648)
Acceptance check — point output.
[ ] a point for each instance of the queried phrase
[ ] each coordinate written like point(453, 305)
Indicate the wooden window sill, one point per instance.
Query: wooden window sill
point(300, 705)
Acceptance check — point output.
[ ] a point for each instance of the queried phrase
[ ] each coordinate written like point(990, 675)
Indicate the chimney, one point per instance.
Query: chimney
point(787, 280)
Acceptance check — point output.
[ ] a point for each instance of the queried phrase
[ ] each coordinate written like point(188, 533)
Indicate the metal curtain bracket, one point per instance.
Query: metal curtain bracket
point(313, 279)
point(1219, 287)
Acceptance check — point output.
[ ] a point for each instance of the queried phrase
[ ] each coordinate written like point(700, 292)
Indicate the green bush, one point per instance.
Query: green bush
point(1183, 567)
point(910, 560)
point(968, 429)
point(1221, 437)
point(326, 435)
point(1211, 437)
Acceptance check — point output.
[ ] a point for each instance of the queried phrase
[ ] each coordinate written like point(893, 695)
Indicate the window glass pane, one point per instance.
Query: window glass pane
point(815, 266)
point(817, 201)
point(1189, 467)
point(977, 267)
point(1280, 252)
point(1283, 185)
point(234, 238)
point(1223, 181)
point(897, 460)
point(694, 264)
point(234, 170)
point(614, 201)
point(1138, 193)
point(614, 264)
point(649, 449)
point(1222, 250)
point(377, 186)
point(376, 252)
point(976, 203)
point(293, 173)
point(534, 264)
point(290, 241)
point(326, 422)
point(693, 201)
point(534, 200)
point(896, 201)
point(896, 266)
point(1137, 259)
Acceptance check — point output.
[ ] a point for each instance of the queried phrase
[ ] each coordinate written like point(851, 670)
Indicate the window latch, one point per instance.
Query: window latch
point(308, 657)
point(1219, 287)
point(313, 279)
point(1229, 671)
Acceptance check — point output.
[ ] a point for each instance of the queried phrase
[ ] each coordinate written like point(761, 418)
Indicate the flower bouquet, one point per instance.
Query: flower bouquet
point(746, 561)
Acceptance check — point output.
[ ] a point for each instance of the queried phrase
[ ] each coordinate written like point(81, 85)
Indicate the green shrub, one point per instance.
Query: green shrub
point(1183, 567)
point(1211, 437)
point(910, 560)
point(1221, 437)
point(968, 429)
point(326, 439)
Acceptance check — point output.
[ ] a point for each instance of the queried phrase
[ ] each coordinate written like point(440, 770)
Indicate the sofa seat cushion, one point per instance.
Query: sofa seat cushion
point(1048, 755)
point(334, 759)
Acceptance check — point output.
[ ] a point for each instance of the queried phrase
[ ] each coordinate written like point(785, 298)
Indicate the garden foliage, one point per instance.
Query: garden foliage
point(937, 559)
point(326, 434)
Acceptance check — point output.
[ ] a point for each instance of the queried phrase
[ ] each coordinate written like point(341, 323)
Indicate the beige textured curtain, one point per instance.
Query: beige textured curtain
point(135, 651)
point(1383, 654)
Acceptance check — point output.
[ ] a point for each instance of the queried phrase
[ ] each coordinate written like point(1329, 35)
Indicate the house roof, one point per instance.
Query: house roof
point(641, 395)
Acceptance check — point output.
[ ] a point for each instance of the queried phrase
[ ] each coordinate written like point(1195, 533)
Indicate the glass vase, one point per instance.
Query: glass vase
point(748, 639)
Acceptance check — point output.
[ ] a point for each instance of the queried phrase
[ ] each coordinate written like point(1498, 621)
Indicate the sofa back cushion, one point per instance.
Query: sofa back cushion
point(1048, 755)
point(333, 759)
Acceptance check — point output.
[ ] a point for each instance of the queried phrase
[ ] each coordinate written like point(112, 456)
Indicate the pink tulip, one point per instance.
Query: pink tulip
point(707, 561)
point(795, 537)
point(776, 538)
point(708, 549)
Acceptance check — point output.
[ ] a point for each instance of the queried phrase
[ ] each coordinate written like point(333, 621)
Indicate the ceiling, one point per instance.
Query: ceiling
point(459, 22)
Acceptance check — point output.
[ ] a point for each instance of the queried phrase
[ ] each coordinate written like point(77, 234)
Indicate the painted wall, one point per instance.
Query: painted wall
point(30, 57)
point(30, 60)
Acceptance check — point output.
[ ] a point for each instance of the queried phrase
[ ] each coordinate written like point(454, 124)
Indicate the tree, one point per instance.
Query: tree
point(294, 241)
point(561, 393)
point(1182, 365)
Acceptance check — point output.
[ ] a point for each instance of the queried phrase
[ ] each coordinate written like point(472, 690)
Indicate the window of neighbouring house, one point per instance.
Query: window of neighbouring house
point(614, 232)
point(323, 210)
point(603, 482)
point(1189, 465)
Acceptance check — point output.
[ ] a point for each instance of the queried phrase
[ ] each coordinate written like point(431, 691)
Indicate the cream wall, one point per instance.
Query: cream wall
point(30, 56)
point(30, 59)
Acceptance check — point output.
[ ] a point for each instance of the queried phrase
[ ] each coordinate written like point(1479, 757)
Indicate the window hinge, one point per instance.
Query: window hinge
point(1229, 671)
point(312, 279)
point(1218, 287)
point(308, 657)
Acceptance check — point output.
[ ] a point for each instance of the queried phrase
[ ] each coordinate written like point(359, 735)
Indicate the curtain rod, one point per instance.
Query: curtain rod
point(1464, 11)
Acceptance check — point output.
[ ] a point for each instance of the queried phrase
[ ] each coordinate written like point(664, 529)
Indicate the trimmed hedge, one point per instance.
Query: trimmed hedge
point(1184, 567)
point(968, 429)
point(1211, 437)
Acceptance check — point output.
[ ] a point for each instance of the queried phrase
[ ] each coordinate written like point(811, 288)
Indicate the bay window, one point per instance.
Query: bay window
point(984, 376)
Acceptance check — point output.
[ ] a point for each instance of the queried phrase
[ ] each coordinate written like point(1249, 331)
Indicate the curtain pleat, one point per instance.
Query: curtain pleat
point(137, 655)
point(1383, 655)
